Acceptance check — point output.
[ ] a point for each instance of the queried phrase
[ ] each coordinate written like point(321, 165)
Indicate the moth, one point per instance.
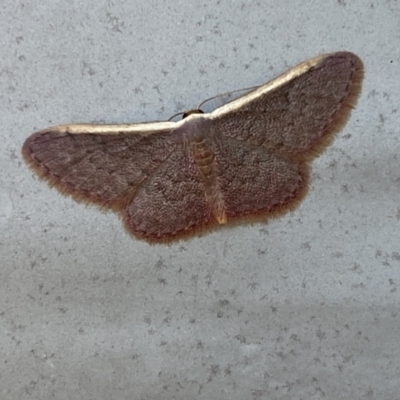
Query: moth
point(246, 160)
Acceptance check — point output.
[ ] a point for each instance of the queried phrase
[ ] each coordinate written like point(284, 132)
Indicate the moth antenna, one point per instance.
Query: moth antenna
point(198, 110)
point(176, 115)
point(245, 90)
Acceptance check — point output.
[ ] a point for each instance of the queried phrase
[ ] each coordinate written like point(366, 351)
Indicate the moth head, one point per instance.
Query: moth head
point(185, 114)
point(190, 112)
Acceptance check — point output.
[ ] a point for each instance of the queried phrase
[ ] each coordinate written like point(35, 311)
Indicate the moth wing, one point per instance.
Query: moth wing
point(255, 182)
point(103, 164)
point(171, 203)
point(294, 113)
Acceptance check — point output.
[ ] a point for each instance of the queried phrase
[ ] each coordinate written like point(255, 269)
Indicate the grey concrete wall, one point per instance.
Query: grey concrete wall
point(301, 307)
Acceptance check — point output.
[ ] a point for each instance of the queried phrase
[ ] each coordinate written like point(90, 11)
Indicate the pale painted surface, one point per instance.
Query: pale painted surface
point(304, 307)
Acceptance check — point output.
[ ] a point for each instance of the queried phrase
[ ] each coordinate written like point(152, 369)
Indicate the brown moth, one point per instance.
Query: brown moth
point(247, 159)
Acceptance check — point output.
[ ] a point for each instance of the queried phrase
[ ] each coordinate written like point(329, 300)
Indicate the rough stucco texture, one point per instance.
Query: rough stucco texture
point(305, 306)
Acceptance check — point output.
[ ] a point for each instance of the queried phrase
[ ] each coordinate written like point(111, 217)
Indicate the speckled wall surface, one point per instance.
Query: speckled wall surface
point(300, 307)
